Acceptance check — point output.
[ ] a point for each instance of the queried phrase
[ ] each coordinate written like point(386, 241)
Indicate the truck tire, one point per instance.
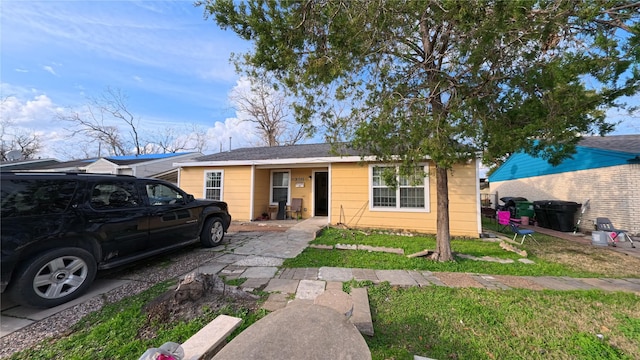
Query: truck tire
point(53, 277)
point(212, 232)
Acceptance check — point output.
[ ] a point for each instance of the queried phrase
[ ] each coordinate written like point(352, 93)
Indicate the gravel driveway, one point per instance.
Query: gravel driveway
point(141, 276)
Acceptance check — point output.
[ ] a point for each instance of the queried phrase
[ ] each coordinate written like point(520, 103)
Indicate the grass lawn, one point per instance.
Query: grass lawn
point(553, 257)
point(435, 322)
point(123, 331)
point(454, 323)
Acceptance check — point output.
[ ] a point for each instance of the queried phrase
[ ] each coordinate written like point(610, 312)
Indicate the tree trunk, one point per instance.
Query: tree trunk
point(443, 237)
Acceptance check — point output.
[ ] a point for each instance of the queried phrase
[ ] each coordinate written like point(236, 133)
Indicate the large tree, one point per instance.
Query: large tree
point(440, 79)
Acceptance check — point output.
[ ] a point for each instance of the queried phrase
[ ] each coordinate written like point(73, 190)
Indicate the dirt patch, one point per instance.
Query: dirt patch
point(590, 258)
point(195, 296)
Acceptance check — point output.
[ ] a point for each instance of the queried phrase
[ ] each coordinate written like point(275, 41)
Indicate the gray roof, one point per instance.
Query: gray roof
point(282, 152)
point(622, 143)
point(27, 164)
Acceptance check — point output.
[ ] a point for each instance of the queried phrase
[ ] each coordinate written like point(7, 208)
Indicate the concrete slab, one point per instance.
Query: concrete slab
point(554, 283)
point(334, 274)
point(333, 285)
point(602, 284)
point(337, 300)
point(298, 332)
point(310, 289)
point(625, 285)
point(361, 317)
point(282, 285)
point(418, 278)
point(490, 282)
point(207, 339)
point(381, 249)
point(396, 277)
point(9, 324)
point(432, 278)
point(259, 261)
point(260, 272)
point(99, 287)
point(254, 283)
point(230, 258)
point(365, 275)
point(276, 301)
point(299, 274)
point(578, 283)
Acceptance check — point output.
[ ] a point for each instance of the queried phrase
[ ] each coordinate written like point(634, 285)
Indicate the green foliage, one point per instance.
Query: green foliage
point(421, 78)
point(406, 81)
point(450, 323)
point(311, 257)
point(114, 331)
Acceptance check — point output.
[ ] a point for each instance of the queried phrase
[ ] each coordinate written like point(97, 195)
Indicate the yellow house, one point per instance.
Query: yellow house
point(345, 188)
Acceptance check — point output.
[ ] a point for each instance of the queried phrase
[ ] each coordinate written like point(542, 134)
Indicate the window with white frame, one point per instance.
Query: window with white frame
point(279, 186)
point(213, 185)
point(410, 194)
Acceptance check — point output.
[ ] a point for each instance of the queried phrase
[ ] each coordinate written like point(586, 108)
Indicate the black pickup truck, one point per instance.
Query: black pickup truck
point(58, 229)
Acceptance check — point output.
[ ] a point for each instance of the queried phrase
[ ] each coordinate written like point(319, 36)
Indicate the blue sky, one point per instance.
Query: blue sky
point(171, 63)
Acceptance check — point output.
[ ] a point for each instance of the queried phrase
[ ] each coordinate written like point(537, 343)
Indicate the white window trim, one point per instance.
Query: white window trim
point(204, 185)
point(427, 205)
point(288, 171)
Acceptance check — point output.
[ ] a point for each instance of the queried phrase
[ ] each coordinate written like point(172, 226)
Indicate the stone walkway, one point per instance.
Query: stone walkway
point(257, 257)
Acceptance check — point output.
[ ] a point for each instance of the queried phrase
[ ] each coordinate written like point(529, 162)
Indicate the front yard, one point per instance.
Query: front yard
point(435, 322)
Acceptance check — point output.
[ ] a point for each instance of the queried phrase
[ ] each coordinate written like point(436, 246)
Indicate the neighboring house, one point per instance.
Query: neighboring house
point(147, 165)
point(604, 170)
point(344, 188)
point(22, 165)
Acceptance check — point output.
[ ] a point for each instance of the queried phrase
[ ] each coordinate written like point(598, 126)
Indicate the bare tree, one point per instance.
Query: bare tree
point(269, 109)
point(101, 121)
point(27, 142)
point(172, 140)
point(12, 138)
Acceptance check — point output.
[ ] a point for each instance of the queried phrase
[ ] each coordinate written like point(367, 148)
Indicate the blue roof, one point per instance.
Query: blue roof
point(521, 165)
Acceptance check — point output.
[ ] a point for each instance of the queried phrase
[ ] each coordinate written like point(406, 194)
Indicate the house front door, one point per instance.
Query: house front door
point(321, 191)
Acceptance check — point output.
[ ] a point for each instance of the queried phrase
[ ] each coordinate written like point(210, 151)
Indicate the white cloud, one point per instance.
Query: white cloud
point(22, 70)
point(49, 69)
point(34, 112)
point(27, 113)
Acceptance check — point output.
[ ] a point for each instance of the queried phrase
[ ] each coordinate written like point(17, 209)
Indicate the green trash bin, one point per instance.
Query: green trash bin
point(524, 208)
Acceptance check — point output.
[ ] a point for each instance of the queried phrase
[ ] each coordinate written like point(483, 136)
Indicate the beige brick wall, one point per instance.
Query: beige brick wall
point(614, 192)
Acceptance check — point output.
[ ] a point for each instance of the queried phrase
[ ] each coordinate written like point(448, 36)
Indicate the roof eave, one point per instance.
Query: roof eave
point(275, 162)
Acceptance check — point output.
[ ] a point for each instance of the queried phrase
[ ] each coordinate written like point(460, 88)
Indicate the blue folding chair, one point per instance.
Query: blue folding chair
point(524, 232)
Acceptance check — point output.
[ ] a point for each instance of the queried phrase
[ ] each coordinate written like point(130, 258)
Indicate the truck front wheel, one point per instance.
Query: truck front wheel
point(212, 232)
point(54, 277)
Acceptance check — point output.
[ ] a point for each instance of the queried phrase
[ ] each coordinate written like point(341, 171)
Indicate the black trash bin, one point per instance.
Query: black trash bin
point(561, 214)
point(542, 218)
point(282, 209)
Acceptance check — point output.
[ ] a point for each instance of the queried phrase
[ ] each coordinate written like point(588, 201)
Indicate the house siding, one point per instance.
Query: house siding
point(261, 192)
point(350, 202)
point(103, 166)
point(304, 192)
point(614, 192)
point(348, 199)
point(146, 169)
